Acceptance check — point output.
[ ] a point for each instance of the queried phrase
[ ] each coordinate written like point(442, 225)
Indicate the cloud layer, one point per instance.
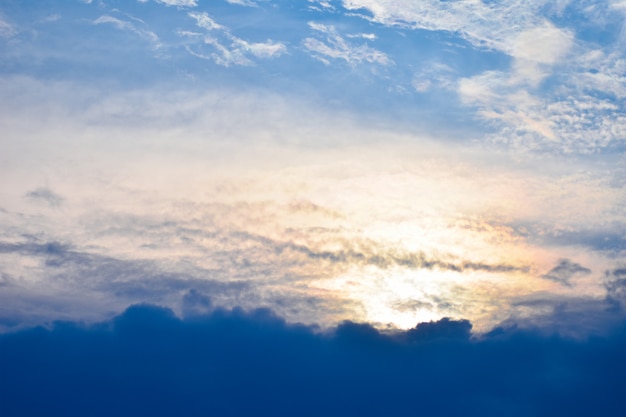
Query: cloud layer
point(391, 162)
point(232, 362)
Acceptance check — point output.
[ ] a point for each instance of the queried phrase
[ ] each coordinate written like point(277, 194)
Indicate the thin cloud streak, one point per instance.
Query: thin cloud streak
point(336, 47)
point(238, 50)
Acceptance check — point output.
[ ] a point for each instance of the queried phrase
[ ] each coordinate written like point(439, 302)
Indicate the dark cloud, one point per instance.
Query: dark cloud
point(234, 267)
point(615, 289)
point(108, 284)
point(365, 252)
point(619, 272)
point(610, 240)
point(236, 363)
point(568, 315)
point(46, 195)
point(35, 248)
point(372, 254)
point(196, 304)
point(442, 330)
point(565, 271)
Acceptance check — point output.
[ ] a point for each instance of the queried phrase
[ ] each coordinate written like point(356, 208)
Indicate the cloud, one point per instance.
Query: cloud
point(485, 25)
point(370, 254)
point(565, 271)
point(247, 3)
point(372, 225)
point(616, 288)
point(131, 27)
point(46, 195)
point(227, 49)
point(206, 365)
point(531, 64)
point(7, 30)
point(204, 21)
point(51, 18)
point(267, 49)
point(336, 47)
point(196, 304)
point(75, 284)
point(560, 97)
point(321, 6)
point(179, 3)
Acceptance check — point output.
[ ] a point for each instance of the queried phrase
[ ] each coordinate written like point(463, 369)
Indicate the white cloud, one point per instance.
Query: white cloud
point(205, 21)
point(492, 25)
point(179, 3)
point(618, 4)
point(336, 47)
point(126, 25)
point(572, 111)
point(267, 49)
point(51, 18)
point(228, 49)
point(434, 75)
point(7, 30)
point(368, 36)
point(545, 44)
point(577, 122)
point(514, 27)
point(247, 3)
point(223, 55)
point(238, 51)
point(532, 62)
point(321, 6)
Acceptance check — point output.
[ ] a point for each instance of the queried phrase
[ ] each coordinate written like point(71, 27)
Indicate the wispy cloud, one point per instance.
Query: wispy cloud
point(225, 48)
point(334, 46)
point(204, 21)
point(486, 25)
point(179, 3)
point(7, 30)
point(131, 27)
point(321, 6)
point(391, 232)
point(247, 3)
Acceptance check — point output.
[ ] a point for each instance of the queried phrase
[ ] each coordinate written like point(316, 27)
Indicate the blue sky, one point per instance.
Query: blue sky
point(342, 170)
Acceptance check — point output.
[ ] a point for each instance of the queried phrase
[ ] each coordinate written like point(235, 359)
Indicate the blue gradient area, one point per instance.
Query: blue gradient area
point(232, 363)
point(62, 42)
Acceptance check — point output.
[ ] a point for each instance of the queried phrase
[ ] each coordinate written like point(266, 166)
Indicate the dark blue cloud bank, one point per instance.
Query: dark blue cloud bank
point(235, 363)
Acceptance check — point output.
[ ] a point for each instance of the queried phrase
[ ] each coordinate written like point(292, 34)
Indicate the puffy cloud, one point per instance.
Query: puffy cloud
point(206, 365)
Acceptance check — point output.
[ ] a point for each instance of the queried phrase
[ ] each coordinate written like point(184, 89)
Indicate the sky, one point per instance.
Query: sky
point(302, 169)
